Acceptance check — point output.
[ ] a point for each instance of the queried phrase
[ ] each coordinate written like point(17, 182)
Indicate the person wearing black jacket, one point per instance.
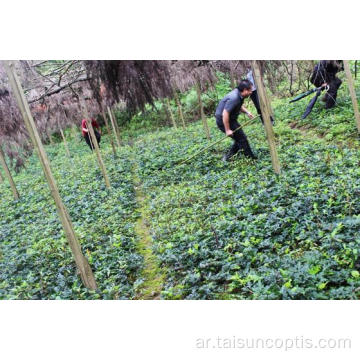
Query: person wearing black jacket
point(226, 115)
point(324, 74)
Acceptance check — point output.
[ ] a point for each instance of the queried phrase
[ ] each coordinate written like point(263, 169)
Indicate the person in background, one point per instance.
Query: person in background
point(86, 135)
point(324, 74)
point(254, 96)
point(226, 115)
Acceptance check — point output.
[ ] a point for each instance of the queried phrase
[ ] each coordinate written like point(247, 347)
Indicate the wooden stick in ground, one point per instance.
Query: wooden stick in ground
point(8, 174)
point(82, 264)
point(352, 93)
point(95, 145)
point(171, 114)
point(114, 127)
point(181, 115)
point(202, 114)
point(65, 142)
point(49, 137)
point(266, 111)
point(109, 132)
point(1, 178)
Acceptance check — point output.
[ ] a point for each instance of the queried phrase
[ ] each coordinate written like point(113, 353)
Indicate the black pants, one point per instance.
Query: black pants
point(255, 99)
point(331, 94)
point(89, 141)
point(239, 137)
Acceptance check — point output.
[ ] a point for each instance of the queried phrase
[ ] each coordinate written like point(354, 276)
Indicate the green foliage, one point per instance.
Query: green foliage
point(35, 260)
point(219, 231)
point(238, 231)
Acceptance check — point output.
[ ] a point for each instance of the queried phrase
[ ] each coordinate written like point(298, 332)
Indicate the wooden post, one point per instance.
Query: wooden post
point(232, 79)
point(181, 115)
point(109, 132)
point(202, 114)
point(352, 93)
point(8, 174)
point(116, 124)
point(114, 127)
point(49, 136)
point(266, 111)
point(171, 114)
point(65, 142)
point(82, 264)
point(96, 146)
point(1, 178)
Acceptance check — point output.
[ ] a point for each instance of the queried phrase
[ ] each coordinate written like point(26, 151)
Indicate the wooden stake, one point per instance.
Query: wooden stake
point(65, 142)
point(109, 132)
point(49, 137)
point(171, 114)
point(202, 114)
point(116, 124)
point(82, 264)
point(180, 109)
point(112, 119)
point(96, 146)
point(352, 93)
point(266, 111)
point(8, 174)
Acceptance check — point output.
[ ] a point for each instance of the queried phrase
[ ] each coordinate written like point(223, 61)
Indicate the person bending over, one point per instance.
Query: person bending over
point(226, 115)
point(86, 135)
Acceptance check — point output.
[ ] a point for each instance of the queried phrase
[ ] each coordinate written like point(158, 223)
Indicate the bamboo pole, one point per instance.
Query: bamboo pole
point(202, 114)
point(114, 127)
point(8, 174)
point(82, 264)
point(181, 115)
point(170, 112)
point(96, 146)
point(266, 111)
point(232, 79)
point(352, 93)
point(65, 142)
point(49, 137)
point(109, 132)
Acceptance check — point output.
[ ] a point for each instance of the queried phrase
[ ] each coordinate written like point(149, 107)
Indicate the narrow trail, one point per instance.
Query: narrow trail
point(153, 276)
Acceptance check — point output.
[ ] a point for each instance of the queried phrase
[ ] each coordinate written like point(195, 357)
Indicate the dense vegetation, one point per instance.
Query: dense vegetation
point(218, 231)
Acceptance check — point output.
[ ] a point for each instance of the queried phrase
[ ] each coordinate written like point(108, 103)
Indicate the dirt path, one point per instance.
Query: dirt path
point(153, 276)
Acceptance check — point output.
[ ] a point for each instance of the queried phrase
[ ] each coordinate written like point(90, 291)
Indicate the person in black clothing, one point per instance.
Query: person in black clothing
point(226, 115)
point(324, 74)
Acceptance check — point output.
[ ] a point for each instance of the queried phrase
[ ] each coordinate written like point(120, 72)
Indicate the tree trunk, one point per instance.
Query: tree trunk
point(203, 118)
point(266, 111)
point(8, 174)
point(82, 264)
point(352, 93)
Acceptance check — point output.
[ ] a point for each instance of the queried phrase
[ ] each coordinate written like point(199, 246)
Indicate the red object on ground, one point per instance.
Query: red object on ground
point(83, 125)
